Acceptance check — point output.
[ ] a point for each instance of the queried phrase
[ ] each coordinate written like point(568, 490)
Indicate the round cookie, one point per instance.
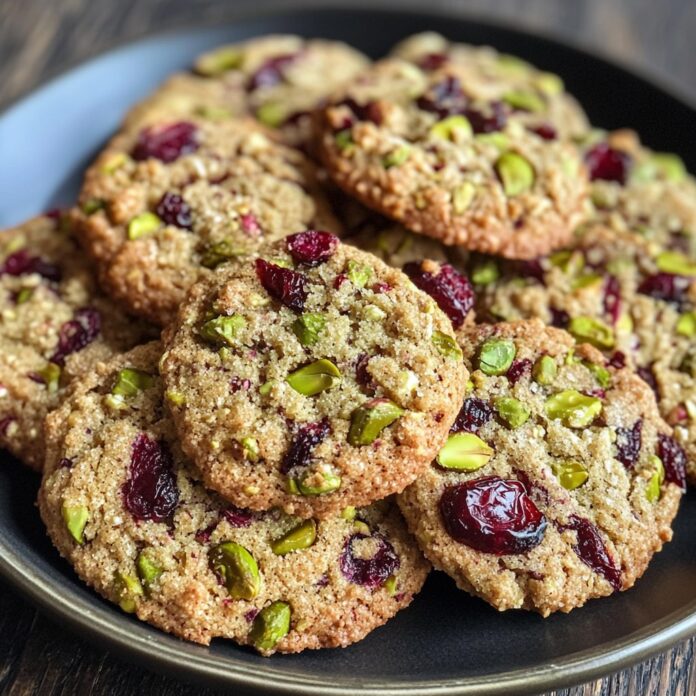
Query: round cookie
point(538, 97)
point(420, 148)
point(123, 506)
point(332, 383)
point(55, 327)
point(278, 79)
point(163, 206)
point(634, 299)
point(550, 490)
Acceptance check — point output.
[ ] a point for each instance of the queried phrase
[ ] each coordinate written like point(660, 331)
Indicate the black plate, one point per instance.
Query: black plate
point(447, 642)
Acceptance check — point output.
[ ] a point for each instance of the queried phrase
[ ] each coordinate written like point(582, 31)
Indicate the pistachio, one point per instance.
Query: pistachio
point(344, 139)
point(219, 61)
point(574, 409)
point(452, 128)
point(462, 197)
point(663, 165)
point(549, 83)
point(114, 162)
point(485, 272)
point(397, 157)
point(348, 513)
point(218, 253)
point(272, 114)
point(677, 263)
point(315, 377)
point(515, 173)
point(464, 452)
point(130, 381)
point(142, 225)
point(359, 274)
point(568, 261)
point(499, 141)
point(496, 356)
point(368, 420)
point(308, 327)
point(545, 370)
point(686, 324)
point(267, 387)
point(90, 206)
point(654, 485)
point(24, 295)
point(586, 280)
point(600, 373)
point(148, 571)
point(250, 446)
point(222, 330)
point(127, 590)
point(593, 331)
point(570, 474)
point(270, 626)
point(301, 537)
point(391, 585)
point(372, 312)
point(446, 345)
point(175, 397)
point(524, 101)
point(75, 518)
point(512, 411)
point(237, 567)
point(213, 113)
point(50, 375)
point(319, 483)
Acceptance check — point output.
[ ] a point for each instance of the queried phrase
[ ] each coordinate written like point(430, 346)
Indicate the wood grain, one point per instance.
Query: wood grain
point(39, 39)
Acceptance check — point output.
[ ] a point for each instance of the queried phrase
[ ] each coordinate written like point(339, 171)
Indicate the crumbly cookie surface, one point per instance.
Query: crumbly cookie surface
point(164, 205)
point(549, 491)
point(55, 326)
point(332, 383)
point(539, 97)
point(122, 505)
point(418, 147)
point(277, 79)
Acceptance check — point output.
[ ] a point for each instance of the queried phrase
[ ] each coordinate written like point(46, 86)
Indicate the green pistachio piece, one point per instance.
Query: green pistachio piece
point(499, 141)
point(301, 537)
point(222, 330)
point(148, 571)
point(446, 345)
point(462, 197)
point(315, 377)
point(586, 280)
point(115, 162)
point(250, 445)
point(360, 527)
point(127, 590)
point(272, 114)
point(397, 157)
point(525, 101)
point(512, 411)
point(219, 61)
point(373, 313)
point(142, 225)
point(344, 139)
point(686, 325)
point(485, 272)
point(359, 274)
point(319, 483)
point(213, 113)
point(545, 370)
point(291, 487)
point(175, 397)
point(601, 374)
point(593, 331)
point(391, 585)
point(24, 295)
point(660, 165)
point(568, 261)
point(266, 388)
point(549, 83)
point(570, 474)
point(308, 327)
point(452, 127)
point(574, 409)
point(237, 567)
point(50, 375)
point(90, 206)
point(129, 382)
point(496, 356)
point(348, 513)
point(654, 485)
point(270, 626)
point(515, 173)
point(464, 452)
point(676, 262)
point(512, 65)
point(218, 253)
point(75, 518)
point(368, 420)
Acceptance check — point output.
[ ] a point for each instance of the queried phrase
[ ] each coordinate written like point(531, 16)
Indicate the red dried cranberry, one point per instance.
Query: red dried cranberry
point(251, 614)
point(450, 289)
point(239, 384)
point(606, 163)
point(271, 71)
point(444, 98)
point(65, 463)
point(674, 460)
point(488, 119)
point(77, 333)
point(628, 442)
point(617, 360)
point(648, 376)
point(529, 269)
point(312, 247)
point(5, 423)
point(236, 517)
point(474, 414)
point(492, 515)
point(284, 284)
point(545, 131)
point(250, 225)
point(364, 112)
point(306, 439)
point(150, 493)
point(380, 287)
point(362, 376)
point(432, 61)
point(174, 210)
point(22, 263)
point(519, 369)
point(202, 536)
point(666, 287)
point(369, 572)
point(323, 581)
point(339, 280)
point(559, 318)
point(166, 143)
point(612, 298)
point(591, 550)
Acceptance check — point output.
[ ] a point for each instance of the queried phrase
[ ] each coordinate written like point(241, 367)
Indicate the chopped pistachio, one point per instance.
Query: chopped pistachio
point(91, 205)
point(452, 127)
point(297, 539)
point(654, 485)
point(24, 295)
point(344, 139)
point(359, 274)
point(601, 374)
point(464, 452)
point(222, 329)
point(397, 157)
point(574, 409)
point(496, 356)
point(75, 518)
point(266, 388)
point(129, 382)
point(115, 161)
point(549, 83)
point(368, 420)
point(515, 173)
point(315, 377)
point(686, 325)
point(142, 225)
point(348, 513)
point(175, 397)
point(462, 196)
point(270, 626)
point(319, 483)
point(570, 474)
point(593, 331)
point(390, 585)
point(545, 370)
point(148, 571)
point(218, 253)
point(127, 590)
point(525, 101)
point(50, 375)
point(485, 272)
point(446, 345)
point(238, 568)
point(272, 114)
point(360, 527)
point(512, 411)
point(499, 141)
point(250, 446)
point(308, 327)
point(219, 61)
point(676, 262)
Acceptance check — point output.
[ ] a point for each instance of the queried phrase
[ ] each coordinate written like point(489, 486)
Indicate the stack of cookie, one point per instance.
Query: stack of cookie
point(416, 309)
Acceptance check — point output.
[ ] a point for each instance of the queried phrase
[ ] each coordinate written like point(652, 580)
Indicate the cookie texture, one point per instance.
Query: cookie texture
point(538, 96)
point(332, 383)
point(425, 149)
point(277, 79)
point(123, 506)
point(164, 205)
point(56, 326)
point(558, 482)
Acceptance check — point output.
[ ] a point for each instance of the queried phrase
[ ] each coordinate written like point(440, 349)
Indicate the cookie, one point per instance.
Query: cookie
point(633, 299)
point(311, 388)
point(539, 97)
point(277, 79)
point(123, 506)
point(164, 205)
point(56, 326)
point(420, 148)
point(559, 481)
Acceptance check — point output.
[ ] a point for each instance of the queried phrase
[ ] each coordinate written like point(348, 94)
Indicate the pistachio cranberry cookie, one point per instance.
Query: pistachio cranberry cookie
point(277, 79)
point(164, 205)
point(559, 480)
point(536, 96)
point(311, 378)
point(55, 327)
point(122, 504)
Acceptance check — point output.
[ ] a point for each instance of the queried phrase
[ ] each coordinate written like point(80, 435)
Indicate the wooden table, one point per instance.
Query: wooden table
point(39, 38)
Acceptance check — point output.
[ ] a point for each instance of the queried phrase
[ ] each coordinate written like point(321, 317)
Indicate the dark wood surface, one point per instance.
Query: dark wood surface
point(41, 37)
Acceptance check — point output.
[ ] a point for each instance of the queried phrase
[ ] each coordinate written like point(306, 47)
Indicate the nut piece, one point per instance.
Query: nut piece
point(515, 173)
point(315, 378)
point(452, 128)
point(654, 485)
point(222, 330)
point(143, 224)
point(464, 452)
point(570, 474)
point(219, 61)
point(512, 411)
point(75, 518)
point(525, 101)
point(496, 356)
point(545, 370)
point(396, 157)
point(270, 626)
point(359, 274)
point(574, 409)
point(130, 381)
point(50, 376)
point(308, 327)
point(446, 345)
point(601, 374)
point(319, 482)
point(127, 590)
point(238, 568)
point(592, 331)
point(368, 420)
point(148, 571)
point(676, 263)
point(301, 537)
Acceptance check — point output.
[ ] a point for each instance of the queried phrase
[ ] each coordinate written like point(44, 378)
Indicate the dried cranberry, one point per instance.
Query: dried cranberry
point(444, 98)
point(450, 289)
point(65, 463)
point(612, 298)
point(545, 131)
point(251, 614)
point(666, 287)
point(271, 71)
point(606, 163)
point(286, 285)
point(202, 536)
point(150, 493)
point(380, 287)
point(673, 459)
point(174, 210)
point(236, 517)
point(364, 112)
point(311, 248)
point(559, 318)
point(648, 376)
point(323, 581)
point(628, 442)
point(339, 280)
point(617, 360)
point(529, 269)
point(487, 119)
point(591, 550)
point(22, 263)
point(166, 143)
point(432, 61)
point(362, 376)
point(250, 225)
point(492, 515)
point(77, 333)
point(519, 369)
point(306, 439)
point(474, 414)
point(239, 384)
point(369, 572)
